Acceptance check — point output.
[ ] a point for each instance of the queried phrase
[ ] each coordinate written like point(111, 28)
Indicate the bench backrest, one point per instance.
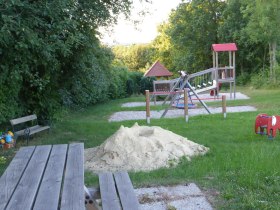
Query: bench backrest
point(23, 119)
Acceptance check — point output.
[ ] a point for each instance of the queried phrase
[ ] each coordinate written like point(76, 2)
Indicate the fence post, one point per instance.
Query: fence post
point(186, 106)
point(224, 106)
point(148, 114)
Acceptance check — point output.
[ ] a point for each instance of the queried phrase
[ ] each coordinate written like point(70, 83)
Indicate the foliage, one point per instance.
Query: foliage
point(264, 26)
point(184, 42)
point(118, 80)
point(49, 54)
point(146, 83)
point(193, 29)
point(136, 57)
point(134, 83)
point(251, 56)
point(162, 45)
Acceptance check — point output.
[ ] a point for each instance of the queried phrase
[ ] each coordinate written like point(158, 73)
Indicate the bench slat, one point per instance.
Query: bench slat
point(126, 191)
point(21, 132)
point(25, 192)
point(49, 192)
point(109, 197)
point(23, 119)
point(39, 129)
point(73, 188)
point(12, 175)
point(33, 130)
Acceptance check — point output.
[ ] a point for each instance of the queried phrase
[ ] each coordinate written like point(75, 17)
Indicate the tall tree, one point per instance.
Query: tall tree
point(264, 25)
point(251, 55)
point(193, 30)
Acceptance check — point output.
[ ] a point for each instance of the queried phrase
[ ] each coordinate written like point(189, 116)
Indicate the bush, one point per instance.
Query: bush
point(118, 79)
point(243, 79)
point(146, 84)
point(134, 83)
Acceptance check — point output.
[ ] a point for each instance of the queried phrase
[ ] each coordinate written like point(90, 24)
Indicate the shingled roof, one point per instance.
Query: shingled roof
point(158, 70)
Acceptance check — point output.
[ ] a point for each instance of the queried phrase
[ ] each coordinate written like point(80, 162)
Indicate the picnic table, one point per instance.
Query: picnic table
point(44, 177)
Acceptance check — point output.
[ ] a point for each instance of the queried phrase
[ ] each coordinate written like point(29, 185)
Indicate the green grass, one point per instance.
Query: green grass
point(242, 168)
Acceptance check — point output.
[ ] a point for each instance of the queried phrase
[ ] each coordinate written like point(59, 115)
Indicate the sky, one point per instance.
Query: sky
point(125, 32)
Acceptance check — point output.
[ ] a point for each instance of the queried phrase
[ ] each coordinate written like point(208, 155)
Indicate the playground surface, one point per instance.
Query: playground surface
point(141, 115)
point(205, 97)
point(174, 113)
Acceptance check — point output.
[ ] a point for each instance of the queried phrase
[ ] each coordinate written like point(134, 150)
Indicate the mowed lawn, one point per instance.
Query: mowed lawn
point(241, 171)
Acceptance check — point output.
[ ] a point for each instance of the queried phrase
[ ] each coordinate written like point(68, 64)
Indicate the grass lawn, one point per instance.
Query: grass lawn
point(241, 171)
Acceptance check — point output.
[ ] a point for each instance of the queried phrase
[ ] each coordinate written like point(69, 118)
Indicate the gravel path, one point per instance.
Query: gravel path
point(238, 96)
point(141, 115)
point(173, 113)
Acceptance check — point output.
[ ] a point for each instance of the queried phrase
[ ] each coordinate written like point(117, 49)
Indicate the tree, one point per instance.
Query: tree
point(251, 55)
point(192, 31)
point(136, 57)
point(263, 25)
point(50, 54)
point(163, 47)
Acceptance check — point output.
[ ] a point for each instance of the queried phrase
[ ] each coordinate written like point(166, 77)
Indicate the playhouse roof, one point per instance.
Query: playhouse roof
point(157, 70)
point(224, 47)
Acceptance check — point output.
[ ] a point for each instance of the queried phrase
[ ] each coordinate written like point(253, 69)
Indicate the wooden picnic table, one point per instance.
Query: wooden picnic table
point(44, 177)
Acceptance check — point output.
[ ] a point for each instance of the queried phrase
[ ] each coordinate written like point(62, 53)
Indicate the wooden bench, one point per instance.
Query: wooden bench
point(27, 126)
point(45, 178)
point(117, 191)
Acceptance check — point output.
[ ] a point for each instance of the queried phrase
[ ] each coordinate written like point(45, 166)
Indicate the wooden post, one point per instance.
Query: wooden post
point(148, 114)
point(186, 107)
point(224, 106)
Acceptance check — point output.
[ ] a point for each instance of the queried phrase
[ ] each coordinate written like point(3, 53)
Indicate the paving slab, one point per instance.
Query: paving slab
point(180, 197)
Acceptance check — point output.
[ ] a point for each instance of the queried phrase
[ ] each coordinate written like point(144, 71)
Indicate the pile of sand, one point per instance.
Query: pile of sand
point(140, 148)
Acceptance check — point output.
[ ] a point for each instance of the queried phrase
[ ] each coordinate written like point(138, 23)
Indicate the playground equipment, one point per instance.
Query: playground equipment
point(185, 105)
point(267, 125)
point(202, 81)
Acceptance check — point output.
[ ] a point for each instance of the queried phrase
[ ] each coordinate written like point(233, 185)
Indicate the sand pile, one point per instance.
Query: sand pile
point(140, 148)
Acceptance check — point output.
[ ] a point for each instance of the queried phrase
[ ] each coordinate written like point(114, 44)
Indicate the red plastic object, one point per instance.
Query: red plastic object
point(268, 123)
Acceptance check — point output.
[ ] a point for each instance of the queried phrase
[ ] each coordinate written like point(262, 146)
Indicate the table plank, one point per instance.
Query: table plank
point(109, 197)
point(126, 191)
point(25, 192)
point(49, 192)
point(12, 174)
point(73, 188)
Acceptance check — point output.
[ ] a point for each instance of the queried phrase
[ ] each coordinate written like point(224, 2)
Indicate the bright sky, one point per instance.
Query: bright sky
point(125, 32)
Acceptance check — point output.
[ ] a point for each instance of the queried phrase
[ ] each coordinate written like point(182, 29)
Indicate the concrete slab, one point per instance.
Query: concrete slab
point(180, 197)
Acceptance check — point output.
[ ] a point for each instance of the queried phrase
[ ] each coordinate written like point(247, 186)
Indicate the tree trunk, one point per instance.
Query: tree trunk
point(272, 61)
